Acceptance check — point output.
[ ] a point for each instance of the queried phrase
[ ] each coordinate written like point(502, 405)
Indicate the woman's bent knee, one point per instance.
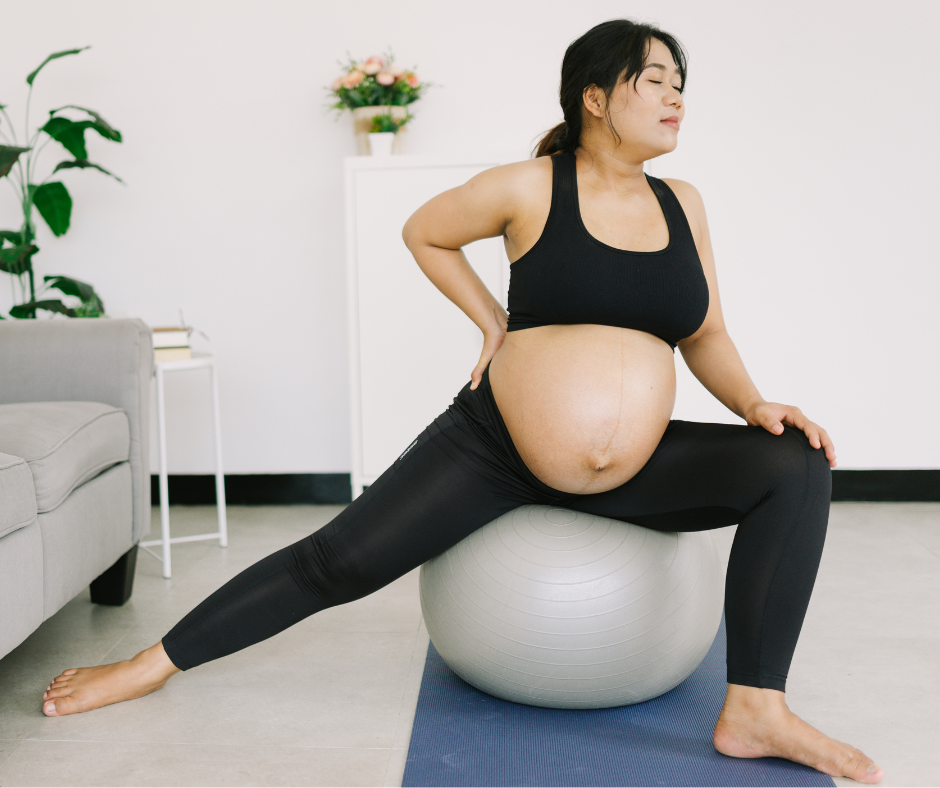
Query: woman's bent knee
point(788, 464)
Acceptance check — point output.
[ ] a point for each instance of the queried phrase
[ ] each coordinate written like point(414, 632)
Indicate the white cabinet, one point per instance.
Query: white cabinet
point(411, 348)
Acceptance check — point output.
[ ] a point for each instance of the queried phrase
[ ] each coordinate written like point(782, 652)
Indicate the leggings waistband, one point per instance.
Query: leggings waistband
point(478, 409)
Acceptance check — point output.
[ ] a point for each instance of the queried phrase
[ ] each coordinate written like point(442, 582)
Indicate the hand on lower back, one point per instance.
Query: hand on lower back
point(491, 343)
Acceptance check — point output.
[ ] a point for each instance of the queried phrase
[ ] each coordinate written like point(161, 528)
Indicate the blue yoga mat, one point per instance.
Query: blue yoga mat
point(464, 737)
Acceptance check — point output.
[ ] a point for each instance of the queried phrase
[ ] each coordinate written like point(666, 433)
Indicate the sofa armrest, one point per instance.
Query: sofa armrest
point(87, 359)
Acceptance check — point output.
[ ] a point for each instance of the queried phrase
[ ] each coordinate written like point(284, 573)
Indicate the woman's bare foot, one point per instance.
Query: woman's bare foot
point(756, 723)
point(84, 689)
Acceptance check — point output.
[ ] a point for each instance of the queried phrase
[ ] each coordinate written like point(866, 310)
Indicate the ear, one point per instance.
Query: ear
point(594, 100)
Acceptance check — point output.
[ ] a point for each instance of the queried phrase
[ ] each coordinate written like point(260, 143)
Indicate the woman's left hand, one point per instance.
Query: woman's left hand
point(771, 415)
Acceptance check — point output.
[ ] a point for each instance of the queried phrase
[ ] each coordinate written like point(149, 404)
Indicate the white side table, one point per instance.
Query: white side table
point(198, 361)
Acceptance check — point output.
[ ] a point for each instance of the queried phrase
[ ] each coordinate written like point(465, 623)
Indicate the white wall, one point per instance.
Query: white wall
point(811, 131)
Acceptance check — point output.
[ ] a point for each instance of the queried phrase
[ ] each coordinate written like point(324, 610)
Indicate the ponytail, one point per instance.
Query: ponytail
point(556, 140)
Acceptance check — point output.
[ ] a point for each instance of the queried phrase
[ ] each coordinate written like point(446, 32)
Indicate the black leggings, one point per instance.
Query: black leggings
point(463, 471)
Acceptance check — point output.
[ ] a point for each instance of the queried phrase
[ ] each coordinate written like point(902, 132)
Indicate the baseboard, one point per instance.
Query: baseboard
point(913, 485)
point(288, 488)
point(257, 488)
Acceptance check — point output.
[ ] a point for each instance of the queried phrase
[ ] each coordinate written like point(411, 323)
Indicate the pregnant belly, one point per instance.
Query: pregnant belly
point(585, 405)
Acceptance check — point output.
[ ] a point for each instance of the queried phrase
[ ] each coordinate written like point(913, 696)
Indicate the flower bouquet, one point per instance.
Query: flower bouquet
point(377, 92)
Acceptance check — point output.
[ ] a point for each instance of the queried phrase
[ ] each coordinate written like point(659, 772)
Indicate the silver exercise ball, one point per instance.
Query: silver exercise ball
point(551, 607)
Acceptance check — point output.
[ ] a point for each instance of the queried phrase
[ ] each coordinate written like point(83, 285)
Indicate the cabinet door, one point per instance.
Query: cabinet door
point(416, 347)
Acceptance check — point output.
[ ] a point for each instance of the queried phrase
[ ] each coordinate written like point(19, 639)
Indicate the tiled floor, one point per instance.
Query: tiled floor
point(331, 700)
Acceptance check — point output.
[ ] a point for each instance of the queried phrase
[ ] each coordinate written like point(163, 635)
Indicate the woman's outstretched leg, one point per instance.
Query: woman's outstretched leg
point(442, 488)
point(777, 489)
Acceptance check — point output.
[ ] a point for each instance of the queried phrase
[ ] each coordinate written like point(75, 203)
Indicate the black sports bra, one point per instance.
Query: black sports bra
point(571, 277)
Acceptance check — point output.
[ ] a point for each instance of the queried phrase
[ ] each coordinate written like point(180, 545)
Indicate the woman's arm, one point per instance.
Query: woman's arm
point(435, 233)
point(714, 360)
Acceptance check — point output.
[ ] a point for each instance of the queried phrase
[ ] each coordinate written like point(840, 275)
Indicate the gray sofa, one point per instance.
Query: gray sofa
point(74, 464)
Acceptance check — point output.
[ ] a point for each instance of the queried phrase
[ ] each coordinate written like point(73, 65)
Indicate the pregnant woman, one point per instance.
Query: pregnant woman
point(570, 405)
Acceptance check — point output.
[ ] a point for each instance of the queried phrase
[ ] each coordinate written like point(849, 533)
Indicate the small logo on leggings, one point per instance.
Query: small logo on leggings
point(408, 449)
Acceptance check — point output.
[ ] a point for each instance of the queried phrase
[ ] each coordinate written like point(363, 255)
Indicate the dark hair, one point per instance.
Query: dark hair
point(605, 53)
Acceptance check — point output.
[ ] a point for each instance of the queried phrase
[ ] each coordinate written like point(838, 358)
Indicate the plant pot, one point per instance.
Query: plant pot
point(362, 122)
point(381, 142)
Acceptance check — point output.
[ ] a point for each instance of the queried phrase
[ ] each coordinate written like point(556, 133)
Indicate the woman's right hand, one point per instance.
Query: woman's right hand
point(492, 340)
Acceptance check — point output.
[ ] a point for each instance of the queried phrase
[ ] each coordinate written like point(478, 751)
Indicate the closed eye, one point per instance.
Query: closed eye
point(657, 82)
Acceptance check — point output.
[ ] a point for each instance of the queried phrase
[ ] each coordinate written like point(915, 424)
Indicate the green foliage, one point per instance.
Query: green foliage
point(91, 303)
point(83, 164)
point(54, 204)
point(29, 310)
point(16, 259)
point(50, 199)
point(385, 122)
point(8, 157)
point(71, 133)
point(53, 56)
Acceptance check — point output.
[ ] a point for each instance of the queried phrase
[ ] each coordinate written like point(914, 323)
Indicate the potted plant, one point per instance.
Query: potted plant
point(373, 87)
point(50, 199)
point(382, 133)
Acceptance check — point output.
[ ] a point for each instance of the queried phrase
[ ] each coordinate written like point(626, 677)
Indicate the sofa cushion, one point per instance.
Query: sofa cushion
point(17, 496)
point(64, 443)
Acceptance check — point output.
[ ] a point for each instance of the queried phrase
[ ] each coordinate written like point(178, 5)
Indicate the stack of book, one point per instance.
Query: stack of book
point(171, 344)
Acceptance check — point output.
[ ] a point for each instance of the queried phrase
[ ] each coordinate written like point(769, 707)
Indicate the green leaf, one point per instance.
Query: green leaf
point(92, 305)
point(83, 164)
point(8, 157)
point(29, 310)
point(104, 128)
point(13, 236)
point(16, 259)
point(71, 133)
point(72, 287)
point(53, 56)
point(54, 204)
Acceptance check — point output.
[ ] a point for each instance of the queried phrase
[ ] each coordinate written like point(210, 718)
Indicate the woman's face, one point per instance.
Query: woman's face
point(638, 114)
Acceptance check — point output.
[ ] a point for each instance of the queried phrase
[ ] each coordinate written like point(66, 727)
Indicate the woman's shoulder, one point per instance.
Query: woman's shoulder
point(522, 177)
point(525, 186)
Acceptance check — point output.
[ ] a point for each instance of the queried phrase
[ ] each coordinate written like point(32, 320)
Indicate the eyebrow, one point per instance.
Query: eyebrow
point(657, 65)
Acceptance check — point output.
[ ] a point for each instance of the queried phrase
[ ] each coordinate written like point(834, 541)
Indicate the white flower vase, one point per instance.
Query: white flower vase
point(362, 122)
point(380, 142)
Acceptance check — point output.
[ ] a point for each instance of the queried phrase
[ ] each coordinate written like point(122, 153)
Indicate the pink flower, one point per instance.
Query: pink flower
point(384, 78)
point(353, 78)
point(373, 65)
point(338, 83)
point(395, 71)
point(412, 80)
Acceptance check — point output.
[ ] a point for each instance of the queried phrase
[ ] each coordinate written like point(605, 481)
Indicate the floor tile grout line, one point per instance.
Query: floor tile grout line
point(18, 743)
point(404, 690)
point(927, 548)
point(388, 765)
point(119, 642)
point(411, 664)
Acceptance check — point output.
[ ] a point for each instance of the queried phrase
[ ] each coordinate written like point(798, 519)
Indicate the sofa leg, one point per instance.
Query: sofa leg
point(114, 585)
